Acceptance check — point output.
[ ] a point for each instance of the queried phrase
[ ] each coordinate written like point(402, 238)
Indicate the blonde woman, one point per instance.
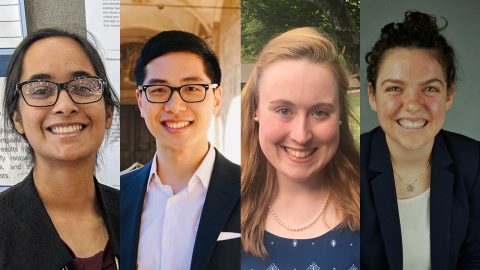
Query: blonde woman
point(300, 165)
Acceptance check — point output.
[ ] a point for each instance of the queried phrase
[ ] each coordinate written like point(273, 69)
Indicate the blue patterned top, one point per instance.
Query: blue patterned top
point(334, 250)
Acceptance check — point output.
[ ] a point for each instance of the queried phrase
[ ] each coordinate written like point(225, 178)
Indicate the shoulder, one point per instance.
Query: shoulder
point(455, 141)
point(367, 137)
point(366, 141)
point(135, 174)
point(223, 164)
point(11, 199)
point(464, 151)
point(110, 194)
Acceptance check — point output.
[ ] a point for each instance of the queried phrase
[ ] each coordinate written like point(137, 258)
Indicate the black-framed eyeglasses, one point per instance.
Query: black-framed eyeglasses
point(42, 93)
point(158, 93)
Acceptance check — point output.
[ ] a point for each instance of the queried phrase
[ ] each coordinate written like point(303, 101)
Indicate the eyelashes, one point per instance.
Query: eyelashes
point(316, 113)
point(426, 89)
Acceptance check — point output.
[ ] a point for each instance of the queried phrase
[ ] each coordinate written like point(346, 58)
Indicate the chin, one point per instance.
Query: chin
point(300, 176)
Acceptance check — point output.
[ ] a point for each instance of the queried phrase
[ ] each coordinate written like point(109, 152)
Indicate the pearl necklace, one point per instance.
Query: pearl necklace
point(303, 227)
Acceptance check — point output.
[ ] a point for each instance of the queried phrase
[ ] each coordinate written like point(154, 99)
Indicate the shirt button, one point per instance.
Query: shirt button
point(166, 243)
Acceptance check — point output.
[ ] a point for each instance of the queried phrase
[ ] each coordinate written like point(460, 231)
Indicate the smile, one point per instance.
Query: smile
point(177, 125)
point(66, 129)
point(299, 154)
point(412, 125)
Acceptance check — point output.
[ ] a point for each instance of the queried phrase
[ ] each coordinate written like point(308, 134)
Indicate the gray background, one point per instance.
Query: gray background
point(463, 33)
point(66, 14)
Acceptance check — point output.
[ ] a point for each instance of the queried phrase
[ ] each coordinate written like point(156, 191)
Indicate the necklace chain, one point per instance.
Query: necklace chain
point(410, 186)
point(297, 229)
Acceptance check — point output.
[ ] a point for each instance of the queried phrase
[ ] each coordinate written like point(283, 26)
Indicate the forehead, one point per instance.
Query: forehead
point(58, 57)
point(410, 65)
point(300, 81)
point(176, 66)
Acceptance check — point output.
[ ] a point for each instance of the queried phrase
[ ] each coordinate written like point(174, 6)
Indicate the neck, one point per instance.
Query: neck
point(290, 190)
point(176, 167)
point(66, 186)
point(404, 158)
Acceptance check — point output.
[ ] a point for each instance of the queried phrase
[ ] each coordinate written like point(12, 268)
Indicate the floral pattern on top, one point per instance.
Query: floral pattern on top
point(336, 249)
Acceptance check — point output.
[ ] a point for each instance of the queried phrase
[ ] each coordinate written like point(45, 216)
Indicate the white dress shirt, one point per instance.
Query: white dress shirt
point(170, 222)
point(415, 225)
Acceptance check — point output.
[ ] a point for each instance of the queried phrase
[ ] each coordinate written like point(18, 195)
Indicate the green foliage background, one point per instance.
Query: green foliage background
point(263, 20)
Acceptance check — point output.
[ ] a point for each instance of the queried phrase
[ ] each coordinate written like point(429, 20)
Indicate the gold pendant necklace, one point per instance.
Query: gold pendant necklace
point(410, 186)
point(303, 227)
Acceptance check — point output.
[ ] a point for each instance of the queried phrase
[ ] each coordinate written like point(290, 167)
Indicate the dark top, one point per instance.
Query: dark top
point(220, 213)
point(103, 260)
point(454, 204)
point(335, 249)
point(28, 238)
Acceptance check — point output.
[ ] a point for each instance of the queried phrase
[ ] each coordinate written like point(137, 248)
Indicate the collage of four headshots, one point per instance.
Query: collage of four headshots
point(225, 134)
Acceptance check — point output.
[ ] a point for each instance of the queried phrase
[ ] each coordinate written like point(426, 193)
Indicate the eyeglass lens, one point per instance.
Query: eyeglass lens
point(160, 93)
point(85, 90)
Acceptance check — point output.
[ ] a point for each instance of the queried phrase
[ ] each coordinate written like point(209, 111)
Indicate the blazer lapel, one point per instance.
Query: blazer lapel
point(385, 197)
point(223, 192)
point(441, 187)
point(132, 197)
point(47, 235)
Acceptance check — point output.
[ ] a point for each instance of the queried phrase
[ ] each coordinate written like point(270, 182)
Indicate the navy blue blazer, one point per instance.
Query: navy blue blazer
point(221, 212)
point(454, 204)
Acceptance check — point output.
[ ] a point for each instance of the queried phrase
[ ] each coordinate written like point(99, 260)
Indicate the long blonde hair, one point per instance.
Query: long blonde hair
point(258, 175)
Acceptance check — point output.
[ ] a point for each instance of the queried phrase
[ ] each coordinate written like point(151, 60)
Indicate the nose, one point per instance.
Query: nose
point(300, 130)
point(175, 104)
point(412, 100)
point(65, 104)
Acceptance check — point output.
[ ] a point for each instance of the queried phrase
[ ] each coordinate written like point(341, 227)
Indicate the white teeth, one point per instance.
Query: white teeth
point(177, 124)
point(415, 125)
point(300, 154)
point(68, 129)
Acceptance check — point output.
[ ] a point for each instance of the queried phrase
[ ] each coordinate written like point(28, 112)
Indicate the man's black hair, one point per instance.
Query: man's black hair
point(177, 41)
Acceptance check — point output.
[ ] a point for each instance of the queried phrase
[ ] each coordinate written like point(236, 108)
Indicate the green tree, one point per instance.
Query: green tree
point(264, 19)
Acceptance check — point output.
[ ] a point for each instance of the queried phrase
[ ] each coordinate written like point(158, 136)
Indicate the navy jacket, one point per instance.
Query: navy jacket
point(454, 204)
point(28, 238)
point(221, 212)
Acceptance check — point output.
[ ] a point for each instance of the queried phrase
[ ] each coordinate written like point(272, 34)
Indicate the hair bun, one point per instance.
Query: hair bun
point(421, 21)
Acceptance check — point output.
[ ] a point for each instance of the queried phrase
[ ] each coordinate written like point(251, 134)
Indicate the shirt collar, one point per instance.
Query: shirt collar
point(203, 172)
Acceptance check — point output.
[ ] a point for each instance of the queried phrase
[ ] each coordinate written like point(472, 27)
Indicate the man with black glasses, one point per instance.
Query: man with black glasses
point(181, 210)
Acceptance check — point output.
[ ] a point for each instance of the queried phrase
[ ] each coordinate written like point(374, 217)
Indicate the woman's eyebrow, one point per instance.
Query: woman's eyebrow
point(431, 81)
point(40, 76)
point(282, 101)
point(324, 105)
point(392, 81)
point(290, 103)
point(80, 73)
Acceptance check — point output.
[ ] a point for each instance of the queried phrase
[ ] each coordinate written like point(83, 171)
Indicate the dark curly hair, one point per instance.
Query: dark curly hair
point(418, 31)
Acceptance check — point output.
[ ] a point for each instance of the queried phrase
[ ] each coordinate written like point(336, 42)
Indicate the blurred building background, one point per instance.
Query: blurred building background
point(215, 21)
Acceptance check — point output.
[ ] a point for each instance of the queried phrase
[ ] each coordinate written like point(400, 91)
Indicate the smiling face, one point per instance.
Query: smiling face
point(411, 97)
point(298, 115)
point(65, 131)
point(176, 124)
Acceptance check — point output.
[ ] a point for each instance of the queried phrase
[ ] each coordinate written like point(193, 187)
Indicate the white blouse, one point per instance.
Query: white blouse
point(415, 225)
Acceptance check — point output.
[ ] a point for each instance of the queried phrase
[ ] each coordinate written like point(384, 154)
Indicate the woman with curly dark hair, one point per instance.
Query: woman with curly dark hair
point(420, 185)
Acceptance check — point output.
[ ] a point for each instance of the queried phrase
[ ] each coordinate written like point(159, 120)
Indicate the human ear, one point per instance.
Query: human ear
point(109, 117)
point(18, 122)
point(371, 97)
point(139, 100)
point(217, 100)
point(450, 96)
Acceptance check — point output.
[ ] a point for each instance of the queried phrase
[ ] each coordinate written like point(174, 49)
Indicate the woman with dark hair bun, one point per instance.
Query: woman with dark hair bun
point(420, 185)
point(59, 216)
